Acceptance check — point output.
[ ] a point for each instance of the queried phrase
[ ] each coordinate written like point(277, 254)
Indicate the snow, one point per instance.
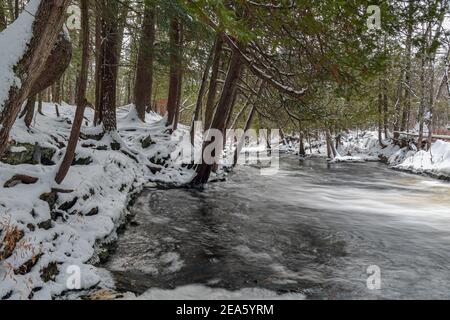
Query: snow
point(435, 161)
point(13, 43)
point(201, 292)
point(102, 189)
point(364, 146)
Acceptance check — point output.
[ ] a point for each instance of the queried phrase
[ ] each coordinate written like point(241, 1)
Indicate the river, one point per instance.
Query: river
point(314, 229)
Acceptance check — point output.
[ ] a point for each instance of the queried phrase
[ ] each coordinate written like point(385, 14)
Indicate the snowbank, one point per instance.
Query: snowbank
point(13, 43)
point(201, 292)
point(364, 146)
point(435, 161)
point(47, 230)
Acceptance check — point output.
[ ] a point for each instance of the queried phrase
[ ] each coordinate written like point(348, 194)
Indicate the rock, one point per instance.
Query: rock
point(82, 161)
point(115, 146)
point(68, 205)
point(96, 137)
point(20, 179)
point(27, 153)
point(46, 225)
point(147, 142)
point(50, 272)
point(50, 198)
point(92, 212)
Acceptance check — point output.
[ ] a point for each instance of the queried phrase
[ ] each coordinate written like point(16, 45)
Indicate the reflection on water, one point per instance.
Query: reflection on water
point(313, 228)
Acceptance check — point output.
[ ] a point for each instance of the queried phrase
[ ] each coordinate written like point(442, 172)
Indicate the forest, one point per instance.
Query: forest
point(160, 115)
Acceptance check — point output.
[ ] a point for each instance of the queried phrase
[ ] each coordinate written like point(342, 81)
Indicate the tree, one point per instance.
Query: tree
point(49, 19)
point(175, 71)
point(109, 63)
point(81, 96)
point(204, 169)
point(144, 72)
point(212, 91)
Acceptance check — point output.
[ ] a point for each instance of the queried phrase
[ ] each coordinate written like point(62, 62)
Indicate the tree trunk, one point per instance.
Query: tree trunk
point(385, 110)
point(81, 96)
point(203, 171)
point(407, 101)
point(212, 91)
point(420, 116)
point(380, 119)
point(98, 116)
point(49, 19)
point(40, 104)
point(16, 9)
point(144, 72)
point(332, 148)
point(398, 107)
point(248, 123)
point(201, 93)
point(241, 142)
point(175, 66)
point(329, 143)
point(31, 103)
point(301, 148)
point(110, 63)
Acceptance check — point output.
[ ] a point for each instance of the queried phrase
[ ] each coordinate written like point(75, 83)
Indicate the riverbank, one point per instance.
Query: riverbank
point(50, 232)
point(364, 146)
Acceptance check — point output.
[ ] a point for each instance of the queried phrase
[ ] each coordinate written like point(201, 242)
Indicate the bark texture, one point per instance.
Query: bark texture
point(49, 19)
point(144, 73)
point(81, 96)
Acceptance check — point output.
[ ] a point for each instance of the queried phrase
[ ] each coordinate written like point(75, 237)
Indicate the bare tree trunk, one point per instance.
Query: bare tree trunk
point(175, 66)
point(407, 101)
point(241, 142)
point(144, 73)
point(16, 9)
point(40, 104)
point(81, 96)
point(204, 170)
point(331, 145)
point(48, 22)
point(380, 119)
point(422, 103)
point(398, 108)
point(212, 91)
point(301, 151)
point(385, 110)
point(431, 106)
point(31, 103)
point(110, 63)
point(201, 93)
point(98, 116)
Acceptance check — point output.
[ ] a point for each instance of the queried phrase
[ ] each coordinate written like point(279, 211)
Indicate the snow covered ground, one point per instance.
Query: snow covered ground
point(364, 146)
point(48, 231)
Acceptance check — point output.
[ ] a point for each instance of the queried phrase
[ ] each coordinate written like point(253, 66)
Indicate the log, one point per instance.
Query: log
point(20, 179)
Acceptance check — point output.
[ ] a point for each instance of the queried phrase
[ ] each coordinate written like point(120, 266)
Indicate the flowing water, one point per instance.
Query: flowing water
point(314, 228)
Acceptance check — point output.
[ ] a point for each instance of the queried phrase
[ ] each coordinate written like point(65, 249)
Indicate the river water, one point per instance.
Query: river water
point(314, 229)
